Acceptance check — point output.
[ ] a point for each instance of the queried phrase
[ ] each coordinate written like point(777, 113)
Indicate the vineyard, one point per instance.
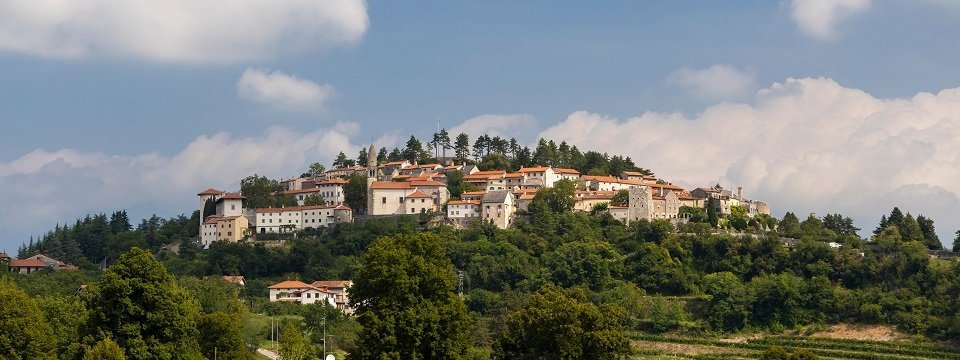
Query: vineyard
point(668, 347)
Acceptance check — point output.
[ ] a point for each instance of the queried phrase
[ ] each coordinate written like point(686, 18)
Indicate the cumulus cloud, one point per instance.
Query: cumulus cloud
point(282, 91)
point(519, 126)
point(717, 82)
point(804, 145)
point(43, 187)
point(819, 18)
point(179, 30)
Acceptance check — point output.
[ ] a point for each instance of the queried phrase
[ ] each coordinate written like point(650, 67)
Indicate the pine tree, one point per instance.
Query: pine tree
point(461, 147)
point(930, 237)
point(362, 157)
point(883, 225)
point(910, 229)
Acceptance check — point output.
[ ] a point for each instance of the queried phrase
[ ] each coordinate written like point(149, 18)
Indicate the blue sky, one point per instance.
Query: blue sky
point(141, 113)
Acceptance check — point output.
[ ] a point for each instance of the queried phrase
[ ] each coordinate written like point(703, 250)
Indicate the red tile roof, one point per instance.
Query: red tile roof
point(533, 169)
point(418, 194)
point(566, 171)
point(513, 175)
point(331, 284)
point(390, 185)
point(291, 284)
point(334, 181)
point(210, 192)
point(27, 263)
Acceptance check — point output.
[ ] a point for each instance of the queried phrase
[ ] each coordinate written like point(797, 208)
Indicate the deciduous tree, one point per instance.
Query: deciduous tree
point(404, 299)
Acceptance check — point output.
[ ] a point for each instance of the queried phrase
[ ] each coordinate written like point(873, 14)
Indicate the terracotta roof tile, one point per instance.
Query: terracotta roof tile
point(210, 192)
point(417, 194)
point(397, 185)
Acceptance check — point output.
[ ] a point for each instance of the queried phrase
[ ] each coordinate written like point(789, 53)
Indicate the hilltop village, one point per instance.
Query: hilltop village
point(456, 193)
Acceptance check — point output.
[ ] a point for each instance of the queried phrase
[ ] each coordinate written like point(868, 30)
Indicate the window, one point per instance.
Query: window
point(412, 210)
point(422, 200)
point(384, 199)
point(401, 199)
point(233, 207)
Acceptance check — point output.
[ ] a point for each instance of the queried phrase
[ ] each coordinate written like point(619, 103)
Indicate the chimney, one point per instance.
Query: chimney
point(739, 193)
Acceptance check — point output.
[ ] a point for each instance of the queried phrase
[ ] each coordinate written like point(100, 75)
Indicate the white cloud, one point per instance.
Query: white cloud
point(819, 18)
point(519, 126)
point(718, 82)
point(43, 188)
point(179, 30)
point(282, 91)
point(806, 145)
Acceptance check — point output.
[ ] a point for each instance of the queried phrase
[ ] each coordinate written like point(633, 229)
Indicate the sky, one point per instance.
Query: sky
point(815, 106)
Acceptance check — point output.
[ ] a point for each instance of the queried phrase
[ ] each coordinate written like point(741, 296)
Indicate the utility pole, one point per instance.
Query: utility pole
point(324, 336)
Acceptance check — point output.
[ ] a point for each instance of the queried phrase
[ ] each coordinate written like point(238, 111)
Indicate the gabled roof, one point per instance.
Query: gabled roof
point(566, 171)
point(463, 202)
point(291, 284)
point(210, 191)
point(418, 194)
point(533, 169)
point(331, 283)
point(513, 175)
point(390, 185)
point(527, 196)
point(496, 196)
point(3, 255)
point(27, 263)
point(211, 220)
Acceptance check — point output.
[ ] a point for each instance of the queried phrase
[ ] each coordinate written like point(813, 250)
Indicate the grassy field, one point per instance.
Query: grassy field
point(672, 347)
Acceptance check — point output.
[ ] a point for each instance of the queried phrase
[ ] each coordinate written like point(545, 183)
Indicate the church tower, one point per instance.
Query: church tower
point(371, 165)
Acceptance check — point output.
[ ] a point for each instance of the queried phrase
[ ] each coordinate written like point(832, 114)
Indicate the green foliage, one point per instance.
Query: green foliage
point(137, 303)
point(261, 192)
point(355, 193)
point(456, 186)
point(621, 198)
point(220, 333)
point(105, 349)
point(666, 315)
point(404, 299)
point(790, 226)
point(775, 353)
point(562, 325)
point(593, 264)
point(730, 301)
point(494, 161)
point(24, 331)
point(694, 214)
point(558, 199)
point(66, 315)
point(317, 169)
point(293, 345)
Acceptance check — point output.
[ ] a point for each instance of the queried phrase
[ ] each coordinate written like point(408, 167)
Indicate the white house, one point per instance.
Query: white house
point(463, 209)
point(301, 293)
point(296, 218)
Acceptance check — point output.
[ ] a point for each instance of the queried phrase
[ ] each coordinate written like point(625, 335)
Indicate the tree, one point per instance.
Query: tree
point(362, 157)
point(24, 332)
point(209, 208)
point(713, 212)
point(840, 225)
point(930, 237)
point(790, 226)
point(461, 147)
point(259, 191)
point(382, 155)
point(317, 169)
point(414, 150)
point(404, 298)
point(584, 263)
point(343, 161)
point(105, 349)
point(494, 161)
point(355, 193)
point(119, 222)
point(562, 325)
point(728, 307)
point(559, 198)
point(956, 242)
point(621, 198)
point(138, 304)
point(457, 186)
point(66, 315)
point(314, 200)
point(910, 230)
point(480, 146)
point(220, 334)
point(293, 346)
point(775, 353)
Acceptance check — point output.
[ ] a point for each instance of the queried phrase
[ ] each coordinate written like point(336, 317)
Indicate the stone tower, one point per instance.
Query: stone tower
point(371, 165)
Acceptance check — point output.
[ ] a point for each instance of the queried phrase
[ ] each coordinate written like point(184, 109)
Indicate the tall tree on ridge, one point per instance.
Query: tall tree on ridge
point(461, 147)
